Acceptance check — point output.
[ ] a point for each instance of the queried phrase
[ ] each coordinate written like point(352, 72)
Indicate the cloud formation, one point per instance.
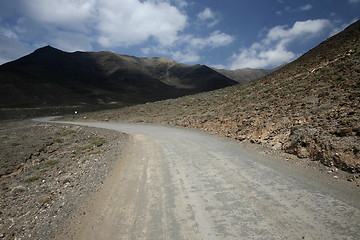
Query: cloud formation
point(113, 23)
point(305, 7)
point(134, 22)
point(214, 40)
point(272, 50)
point(190, 46)
point(289, 9)
point(64, 14)
point(209, 17)
point(158, 26)
point(184, 30)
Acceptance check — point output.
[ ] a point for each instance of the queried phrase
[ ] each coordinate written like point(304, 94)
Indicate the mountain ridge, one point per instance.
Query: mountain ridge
point(50, 77)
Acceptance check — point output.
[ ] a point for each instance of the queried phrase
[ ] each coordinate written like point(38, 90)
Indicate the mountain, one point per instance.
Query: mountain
point(245, 74)
point(49, 77)
point(309, 108)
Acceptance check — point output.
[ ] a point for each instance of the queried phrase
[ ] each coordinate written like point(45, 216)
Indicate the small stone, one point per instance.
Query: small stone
point(336, 177)
point(66, 180)
point(18, 189)
point(2, 235)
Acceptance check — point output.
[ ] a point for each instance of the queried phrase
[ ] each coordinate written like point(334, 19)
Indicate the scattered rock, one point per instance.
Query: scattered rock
point(18, 189)
point(36, 209)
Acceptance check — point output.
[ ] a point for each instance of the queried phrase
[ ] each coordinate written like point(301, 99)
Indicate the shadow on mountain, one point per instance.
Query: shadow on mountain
point(52, 81)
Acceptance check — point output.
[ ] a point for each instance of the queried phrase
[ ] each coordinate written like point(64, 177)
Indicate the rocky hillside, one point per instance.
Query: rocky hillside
point(49, 78)
point(245, 74)
point(309, 108)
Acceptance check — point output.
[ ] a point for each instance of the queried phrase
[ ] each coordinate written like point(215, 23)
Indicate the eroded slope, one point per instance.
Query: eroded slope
point(309, 108)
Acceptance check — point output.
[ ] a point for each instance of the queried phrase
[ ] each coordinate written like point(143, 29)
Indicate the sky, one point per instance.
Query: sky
point(229, 34)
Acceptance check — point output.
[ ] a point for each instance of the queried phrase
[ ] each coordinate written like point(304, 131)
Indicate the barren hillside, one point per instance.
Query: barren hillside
point(309, 108)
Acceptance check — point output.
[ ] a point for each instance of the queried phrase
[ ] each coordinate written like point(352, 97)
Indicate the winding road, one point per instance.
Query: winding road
point(174, 183)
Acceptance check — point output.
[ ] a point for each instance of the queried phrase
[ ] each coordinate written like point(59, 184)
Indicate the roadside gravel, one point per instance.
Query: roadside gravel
point(46, 170)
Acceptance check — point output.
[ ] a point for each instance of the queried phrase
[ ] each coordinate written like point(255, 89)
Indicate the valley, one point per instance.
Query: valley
point(309, 108)
point(275, 157)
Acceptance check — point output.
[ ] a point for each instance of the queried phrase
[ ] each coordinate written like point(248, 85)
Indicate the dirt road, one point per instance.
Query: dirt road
point(181, 184)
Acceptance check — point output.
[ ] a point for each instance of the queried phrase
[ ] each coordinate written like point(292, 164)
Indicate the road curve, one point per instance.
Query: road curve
point(176, 183)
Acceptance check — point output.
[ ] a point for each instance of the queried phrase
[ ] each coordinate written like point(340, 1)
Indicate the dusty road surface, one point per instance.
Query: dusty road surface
point(176, 183)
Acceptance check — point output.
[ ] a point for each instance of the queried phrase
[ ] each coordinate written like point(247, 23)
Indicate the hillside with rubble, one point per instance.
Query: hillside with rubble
point(309, 108)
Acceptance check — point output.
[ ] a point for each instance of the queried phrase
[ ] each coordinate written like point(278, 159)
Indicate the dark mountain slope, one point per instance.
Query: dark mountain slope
point(50, 77)
point(309, 108)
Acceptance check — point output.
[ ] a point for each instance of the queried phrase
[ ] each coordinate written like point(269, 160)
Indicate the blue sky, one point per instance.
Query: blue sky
point(230, 34)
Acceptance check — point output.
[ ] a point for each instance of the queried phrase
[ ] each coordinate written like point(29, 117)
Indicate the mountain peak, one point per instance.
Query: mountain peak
point(47, 48)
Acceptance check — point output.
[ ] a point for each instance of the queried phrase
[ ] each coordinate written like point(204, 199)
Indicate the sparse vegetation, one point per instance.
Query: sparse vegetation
point(97, 141)
point(340, 78)
point(67, 132)
point(31, 179)
point(49, 164)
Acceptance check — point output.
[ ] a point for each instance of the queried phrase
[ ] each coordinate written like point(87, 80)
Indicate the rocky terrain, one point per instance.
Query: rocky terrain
point(309, 108)
point(46, 171)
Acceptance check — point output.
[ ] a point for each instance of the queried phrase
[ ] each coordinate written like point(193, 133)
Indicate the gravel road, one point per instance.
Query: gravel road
point(174, 183)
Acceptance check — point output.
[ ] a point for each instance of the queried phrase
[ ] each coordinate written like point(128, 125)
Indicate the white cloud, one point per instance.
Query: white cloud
point(8, 32)
point(208, 17)
point(180, 3)
point(354, 1)
point(218, 66)
point(272, 50)
point(305, 7)
point(214, 40)
point(70, 41)
point(206, 14)
point(298, 29)
point(259, 56)
point(187, 57)
point(133, 22)
point(66, 14)
point(156, 26)
point(111, 23)
point(191, 46)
